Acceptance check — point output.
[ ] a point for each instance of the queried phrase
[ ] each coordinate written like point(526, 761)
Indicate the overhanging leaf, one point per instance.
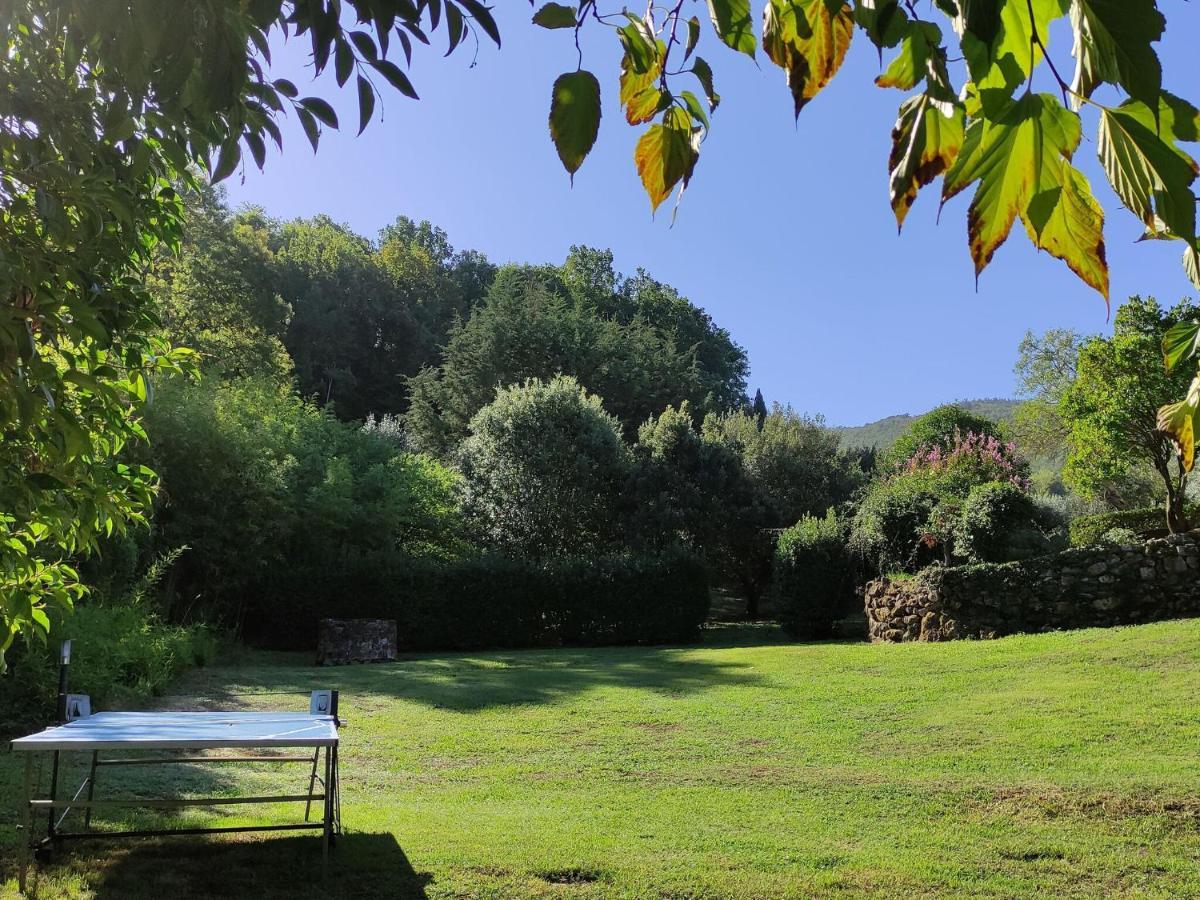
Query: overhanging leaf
point(1180, 343)
point(574, 117)
point(1178, 422)
point(640, 93)
point(1020, 162)
point(808, 39)
point(1113, 44)
point(1064, 219)
point(733, 23)
point(926, 140)
point(1151, 175)
point(665, 155)
point(556, 15)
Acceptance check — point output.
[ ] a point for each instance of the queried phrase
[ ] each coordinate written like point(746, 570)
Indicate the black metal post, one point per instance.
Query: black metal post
point(64, 663)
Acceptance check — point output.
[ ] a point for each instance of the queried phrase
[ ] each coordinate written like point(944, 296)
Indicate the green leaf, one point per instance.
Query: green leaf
point(366, 103)
point(665, 155)
point(1064, 219)
point(884, 22)
point(926, 140)
point(704, 74)
point(808, 39)
point(321, 109)
point(1181, 342)
point(640, 46)
point(692, 102)
point(309, 124)
point(1150, 174)
point(555, 15)
point(917, 52)
point(227, 160)
point(734, 26)
point(1113, 44)
point(1021, 161)
point(1001, 53)
point(574, 117)
point(483, 16)
point(395, 77)
point(693, 37)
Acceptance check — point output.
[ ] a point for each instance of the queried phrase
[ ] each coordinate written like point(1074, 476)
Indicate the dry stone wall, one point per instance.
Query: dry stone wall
point(1079, 588)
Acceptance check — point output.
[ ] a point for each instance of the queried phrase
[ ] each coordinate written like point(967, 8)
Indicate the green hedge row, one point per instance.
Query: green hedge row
point(813, 581)
point(490, 601)
point(1088, 530)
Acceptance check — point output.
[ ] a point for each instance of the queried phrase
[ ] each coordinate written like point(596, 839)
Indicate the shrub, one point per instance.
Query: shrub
point(937, 428)
point(1148, 521)
point(123, 654)
point(998, 523)
point(543, 470)
point(496, 601)
point(256, 480)
point(814, 576)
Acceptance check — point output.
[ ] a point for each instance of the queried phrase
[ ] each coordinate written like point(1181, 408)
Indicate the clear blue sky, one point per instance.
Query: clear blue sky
point(785, 236)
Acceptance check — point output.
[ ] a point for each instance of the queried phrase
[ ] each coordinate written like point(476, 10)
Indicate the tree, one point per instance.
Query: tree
point(642, 349)
point(1112, 406)
point(792, 460)
point(1045, 368)
point(543, 470)
point(219, 294)
point(693, 492)
point(107, 109)
point(760, 409)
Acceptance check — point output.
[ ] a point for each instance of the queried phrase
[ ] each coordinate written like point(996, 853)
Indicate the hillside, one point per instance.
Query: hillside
point(882, 433)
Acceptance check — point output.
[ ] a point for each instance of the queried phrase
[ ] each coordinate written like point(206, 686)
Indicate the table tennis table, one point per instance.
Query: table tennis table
point(163, 735)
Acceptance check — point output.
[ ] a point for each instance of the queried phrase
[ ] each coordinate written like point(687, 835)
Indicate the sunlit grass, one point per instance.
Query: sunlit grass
point(748, 767)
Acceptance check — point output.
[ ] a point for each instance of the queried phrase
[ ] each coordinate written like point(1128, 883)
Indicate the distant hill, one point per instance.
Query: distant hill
point(884, 432)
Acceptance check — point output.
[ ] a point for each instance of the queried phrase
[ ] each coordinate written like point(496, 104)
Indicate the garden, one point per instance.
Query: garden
point(656, 634)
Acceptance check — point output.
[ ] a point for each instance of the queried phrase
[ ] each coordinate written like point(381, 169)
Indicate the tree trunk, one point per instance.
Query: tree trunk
point(1176, 518)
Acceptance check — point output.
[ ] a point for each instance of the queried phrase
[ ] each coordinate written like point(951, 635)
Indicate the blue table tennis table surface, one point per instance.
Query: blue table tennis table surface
point(184, 730)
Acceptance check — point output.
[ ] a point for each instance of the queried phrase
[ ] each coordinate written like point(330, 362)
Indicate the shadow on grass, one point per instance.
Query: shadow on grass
point(478, 681)
point(361, 865)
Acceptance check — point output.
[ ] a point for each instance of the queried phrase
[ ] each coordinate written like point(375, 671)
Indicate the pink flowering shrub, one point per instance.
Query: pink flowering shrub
point(970, 459)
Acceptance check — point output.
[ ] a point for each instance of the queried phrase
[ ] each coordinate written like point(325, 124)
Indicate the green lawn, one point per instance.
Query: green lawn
point(748, 767)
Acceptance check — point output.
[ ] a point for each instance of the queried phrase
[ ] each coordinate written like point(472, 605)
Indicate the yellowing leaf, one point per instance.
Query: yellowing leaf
point(1178, 422)
point(1064, 219)
point(808, 39)
point(1021, 161)
point(575, 117)
point(640, 94)
point(925, 142)
point(665, 155)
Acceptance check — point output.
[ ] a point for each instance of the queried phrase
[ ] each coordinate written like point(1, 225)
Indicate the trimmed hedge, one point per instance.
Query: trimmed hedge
point(814, 576)
point(492, 601)
point(1149, 521)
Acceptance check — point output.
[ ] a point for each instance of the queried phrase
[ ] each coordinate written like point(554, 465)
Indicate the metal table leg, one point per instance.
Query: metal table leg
point(327, 832)
point(91, 791)
point(26, 824)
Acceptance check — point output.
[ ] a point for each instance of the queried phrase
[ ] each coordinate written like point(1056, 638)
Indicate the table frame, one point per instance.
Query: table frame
point(329, 795)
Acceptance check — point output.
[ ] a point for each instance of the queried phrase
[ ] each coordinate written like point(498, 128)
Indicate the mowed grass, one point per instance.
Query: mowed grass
point(1067, 764)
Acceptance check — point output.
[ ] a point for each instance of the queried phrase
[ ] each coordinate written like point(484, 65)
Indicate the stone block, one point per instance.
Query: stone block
point(343, 641)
